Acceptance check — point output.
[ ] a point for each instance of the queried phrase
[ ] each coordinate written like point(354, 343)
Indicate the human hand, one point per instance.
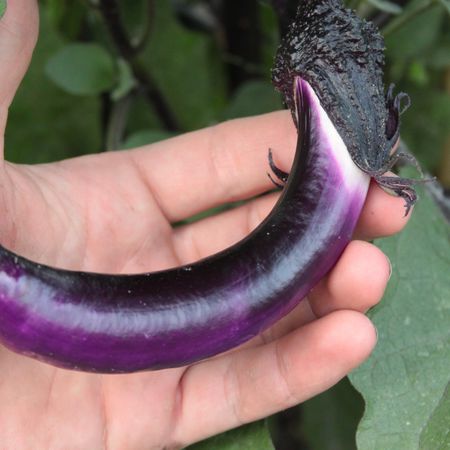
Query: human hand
point(113, 213)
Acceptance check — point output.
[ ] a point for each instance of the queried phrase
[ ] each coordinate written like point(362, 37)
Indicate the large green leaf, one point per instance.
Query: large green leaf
point(82, 69)
point(436, 433)
point(404, 382)
point(254, 436)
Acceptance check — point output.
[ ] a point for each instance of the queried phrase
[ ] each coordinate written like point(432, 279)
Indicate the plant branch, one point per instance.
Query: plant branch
point(109, 10)
point(148, 26)
point(117, 122)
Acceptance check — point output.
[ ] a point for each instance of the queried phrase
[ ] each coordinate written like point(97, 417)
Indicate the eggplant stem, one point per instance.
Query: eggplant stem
point(281, 175)
point(400, 186)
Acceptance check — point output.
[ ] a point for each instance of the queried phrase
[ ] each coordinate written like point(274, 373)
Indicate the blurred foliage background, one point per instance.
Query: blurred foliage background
point(112, 74)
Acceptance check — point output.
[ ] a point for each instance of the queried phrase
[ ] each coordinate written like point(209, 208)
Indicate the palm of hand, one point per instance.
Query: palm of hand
point(112, 213)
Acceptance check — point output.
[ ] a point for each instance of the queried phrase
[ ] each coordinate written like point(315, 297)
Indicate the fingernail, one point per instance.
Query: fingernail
point(390, 268)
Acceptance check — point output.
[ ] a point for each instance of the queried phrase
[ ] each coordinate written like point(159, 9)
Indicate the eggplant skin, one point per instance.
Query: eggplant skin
point(126, 323)
point(342, 57)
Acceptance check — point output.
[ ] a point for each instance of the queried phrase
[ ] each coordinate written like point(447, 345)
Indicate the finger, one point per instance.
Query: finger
point(18, 34)
point(244, 386)
point(229, 162)
point(357, 281)
point(215, 233)
point(382, 215)
point(301, 315)
point(223, 163)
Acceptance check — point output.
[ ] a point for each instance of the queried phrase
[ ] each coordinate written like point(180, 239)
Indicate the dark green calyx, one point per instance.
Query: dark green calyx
point(342, 57)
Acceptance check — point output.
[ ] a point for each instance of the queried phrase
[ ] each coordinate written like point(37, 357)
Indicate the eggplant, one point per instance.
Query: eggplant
point(124, 323)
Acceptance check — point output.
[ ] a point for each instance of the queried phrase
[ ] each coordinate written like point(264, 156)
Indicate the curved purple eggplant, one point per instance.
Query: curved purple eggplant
point(125, 323)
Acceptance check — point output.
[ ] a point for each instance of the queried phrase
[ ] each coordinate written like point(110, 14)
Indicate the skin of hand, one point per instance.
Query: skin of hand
point(113, 213)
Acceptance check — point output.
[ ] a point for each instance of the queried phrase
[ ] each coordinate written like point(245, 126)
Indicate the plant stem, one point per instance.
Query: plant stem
point(399, 21)
point(109, 10)
point(117, 122)
point(148, 26)
point(111, 15)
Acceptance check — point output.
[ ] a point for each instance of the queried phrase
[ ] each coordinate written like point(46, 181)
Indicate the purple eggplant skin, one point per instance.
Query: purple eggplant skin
point(126, 323)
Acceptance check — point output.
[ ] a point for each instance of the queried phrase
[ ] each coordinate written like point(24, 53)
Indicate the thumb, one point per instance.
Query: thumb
point(18, 34)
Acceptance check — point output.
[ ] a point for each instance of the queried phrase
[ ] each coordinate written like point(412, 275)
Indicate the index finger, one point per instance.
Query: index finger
point(220, 164)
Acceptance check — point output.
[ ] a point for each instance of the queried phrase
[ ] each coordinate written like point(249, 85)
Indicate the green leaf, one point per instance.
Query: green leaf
point(253, 97)
point(436, 433)
point(405, 381)
point(2, 8)
point(82, 69)
point(254, 436)
point(329, 420)
point(144, 137)
point(386, 6)
point(425, 27)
